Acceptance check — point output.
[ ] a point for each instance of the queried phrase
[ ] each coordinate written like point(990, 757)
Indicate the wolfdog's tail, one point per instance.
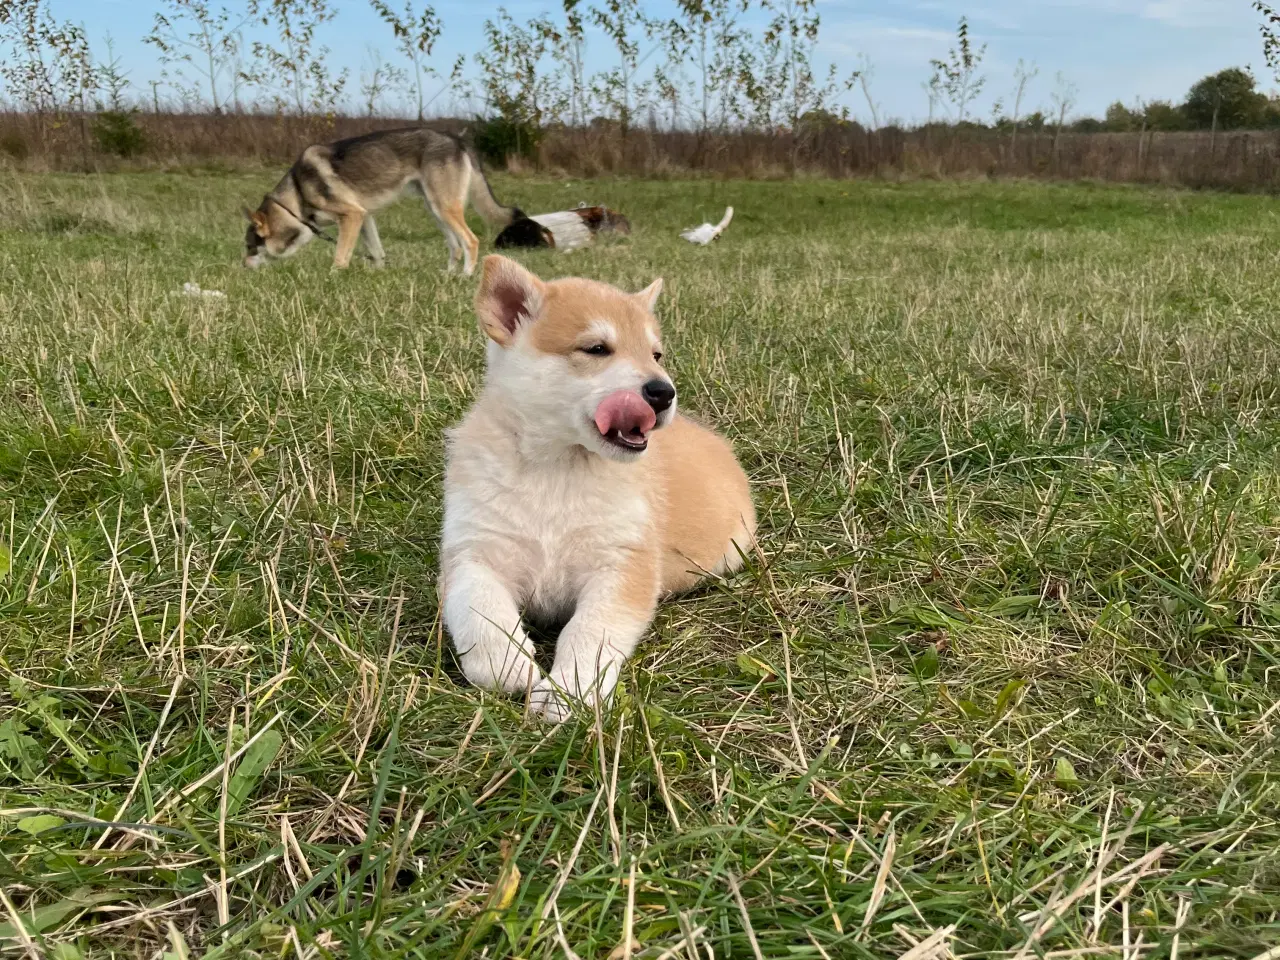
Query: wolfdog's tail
point(482, 198)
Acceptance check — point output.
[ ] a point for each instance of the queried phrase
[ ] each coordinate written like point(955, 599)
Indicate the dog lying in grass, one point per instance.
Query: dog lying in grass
point(574, 491)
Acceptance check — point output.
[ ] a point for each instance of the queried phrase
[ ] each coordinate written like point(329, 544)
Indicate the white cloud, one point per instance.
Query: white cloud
point(1183, 13)
point(1174, 13)
point(882, 41)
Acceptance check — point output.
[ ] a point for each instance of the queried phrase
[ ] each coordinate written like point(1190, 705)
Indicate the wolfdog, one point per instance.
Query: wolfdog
point(344, 182)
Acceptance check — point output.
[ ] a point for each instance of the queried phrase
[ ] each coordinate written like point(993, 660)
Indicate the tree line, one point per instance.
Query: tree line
point(1227, 100)
point(711, 66)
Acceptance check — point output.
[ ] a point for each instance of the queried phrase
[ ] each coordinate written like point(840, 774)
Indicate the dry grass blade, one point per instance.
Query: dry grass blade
point(567, 869)
point(746, 915)
point(20, 928)
point(146, 758)
point(629, 944)
point(881, 883)
point(1184, 908)
point(931, 947)
point(178, 945)
point(223, 897)
point(684, 942)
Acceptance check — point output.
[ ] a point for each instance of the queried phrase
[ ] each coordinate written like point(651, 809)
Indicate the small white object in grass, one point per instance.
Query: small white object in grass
point(193, 290)
point(706, 233)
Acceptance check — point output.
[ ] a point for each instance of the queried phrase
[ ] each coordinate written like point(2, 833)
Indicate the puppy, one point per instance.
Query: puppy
point(574, 492)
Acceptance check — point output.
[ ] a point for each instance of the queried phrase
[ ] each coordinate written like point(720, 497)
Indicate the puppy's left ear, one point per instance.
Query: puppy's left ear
point(509, 295)
point(649, 295)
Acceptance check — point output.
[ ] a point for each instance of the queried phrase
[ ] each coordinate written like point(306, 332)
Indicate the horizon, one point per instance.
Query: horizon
point(1107, 50)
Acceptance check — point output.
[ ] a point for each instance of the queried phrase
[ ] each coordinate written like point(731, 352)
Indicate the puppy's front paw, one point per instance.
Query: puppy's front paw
point(549, 701)
point(507, 667)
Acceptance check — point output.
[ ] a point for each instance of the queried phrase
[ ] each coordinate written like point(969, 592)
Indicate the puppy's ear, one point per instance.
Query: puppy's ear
point(649, 295)
point(509, 295)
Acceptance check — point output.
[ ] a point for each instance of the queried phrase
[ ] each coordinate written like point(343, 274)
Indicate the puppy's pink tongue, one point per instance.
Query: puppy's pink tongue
point(626, 412)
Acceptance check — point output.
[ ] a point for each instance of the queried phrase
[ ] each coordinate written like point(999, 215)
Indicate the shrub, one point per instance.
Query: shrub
point(499, 138)
point(118, 133)
point(1163, 115)
point(14, 145)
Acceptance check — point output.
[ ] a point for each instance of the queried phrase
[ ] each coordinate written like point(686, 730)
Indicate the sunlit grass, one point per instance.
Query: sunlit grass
point(1005, 672)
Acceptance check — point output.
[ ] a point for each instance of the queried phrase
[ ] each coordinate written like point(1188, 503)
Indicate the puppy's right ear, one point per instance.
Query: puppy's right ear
point(509, 295)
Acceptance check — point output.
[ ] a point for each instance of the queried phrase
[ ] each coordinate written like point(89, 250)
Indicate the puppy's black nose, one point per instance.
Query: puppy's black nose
point(658, 394)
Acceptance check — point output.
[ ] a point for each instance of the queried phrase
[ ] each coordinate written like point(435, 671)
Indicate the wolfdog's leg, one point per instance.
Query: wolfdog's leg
point(454, 249)
point(372, 242)
point(349, 227)
point(456, 217)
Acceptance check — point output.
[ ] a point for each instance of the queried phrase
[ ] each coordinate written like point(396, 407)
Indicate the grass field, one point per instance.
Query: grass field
point(1002, 681)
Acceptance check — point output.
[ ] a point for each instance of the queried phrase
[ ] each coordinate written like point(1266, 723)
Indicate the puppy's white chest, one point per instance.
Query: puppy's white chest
point(578, 522)
point(548, 530)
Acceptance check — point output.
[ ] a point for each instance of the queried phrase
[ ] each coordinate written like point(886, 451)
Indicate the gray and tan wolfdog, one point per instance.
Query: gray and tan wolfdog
point(344, 182)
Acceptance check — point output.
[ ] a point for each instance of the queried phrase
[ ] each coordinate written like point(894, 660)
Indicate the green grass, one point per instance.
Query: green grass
point(1007, 666)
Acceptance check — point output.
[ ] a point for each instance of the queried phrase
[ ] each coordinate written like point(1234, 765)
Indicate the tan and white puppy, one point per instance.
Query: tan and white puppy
point(574, 492)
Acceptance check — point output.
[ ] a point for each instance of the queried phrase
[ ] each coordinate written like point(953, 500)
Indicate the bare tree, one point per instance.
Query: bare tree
point(1140, 109)
point(617, 90)
point(1063, 99)
point(957, 76)
point(376, 78)
point(416, 35)
point(190, 35)
point(566, 43)
point(298, 66)
point(1022, 76)
point(670, 80)
point(513, 82)
point(779, 78)
point(50, 67)
point(866, 70)
point(457, 84)
point(715, 40)
point(575, 42)
point(702, 47)
point(243, 74)
point(933, 90)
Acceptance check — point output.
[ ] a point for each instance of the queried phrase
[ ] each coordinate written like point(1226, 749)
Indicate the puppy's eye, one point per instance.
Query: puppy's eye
point(657, 356)
point(596, 350)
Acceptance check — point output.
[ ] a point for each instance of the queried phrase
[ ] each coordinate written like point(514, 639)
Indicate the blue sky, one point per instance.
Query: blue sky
point(1106, 49)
